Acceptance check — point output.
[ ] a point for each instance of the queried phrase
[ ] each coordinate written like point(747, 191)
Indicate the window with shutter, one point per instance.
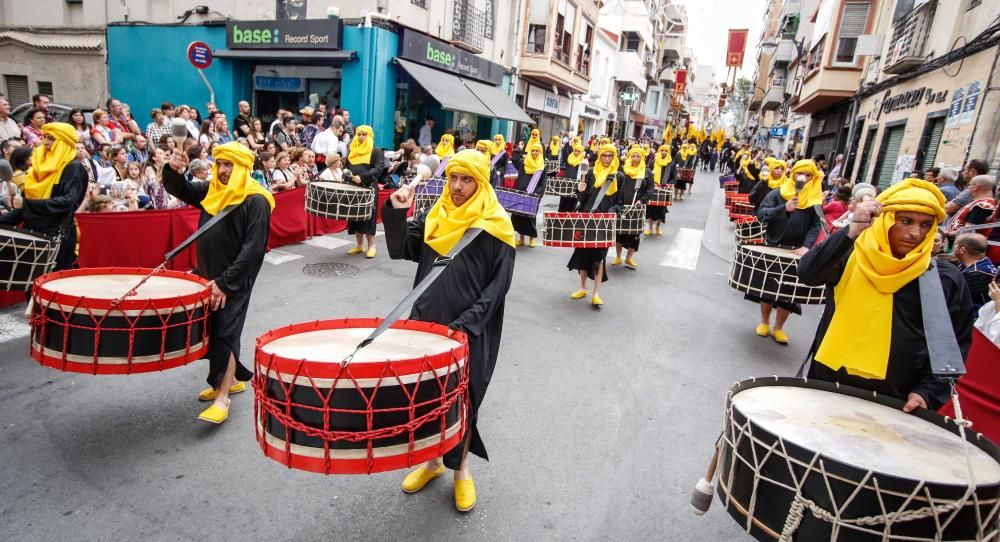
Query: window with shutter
point(867, 153)
point(890, 153)
point(934, 133)
point(852, 24)
point(45, 87)
point(17, 89)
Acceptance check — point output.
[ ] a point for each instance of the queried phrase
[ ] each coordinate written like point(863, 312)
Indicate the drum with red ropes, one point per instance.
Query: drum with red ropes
point(80, 323)
point(402, 400)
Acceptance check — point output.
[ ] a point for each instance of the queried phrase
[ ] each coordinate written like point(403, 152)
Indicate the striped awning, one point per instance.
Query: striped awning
point(55, 41)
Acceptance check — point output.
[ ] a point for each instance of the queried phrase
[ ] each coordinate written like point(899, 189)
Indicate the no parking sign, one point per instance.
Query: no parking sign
point(199, 54)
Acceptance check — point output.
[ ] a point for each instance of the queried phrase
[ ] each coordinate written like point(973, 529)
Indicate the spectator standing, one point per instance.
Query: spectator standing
point(837, 206)
point(33, 128)
point(78, 121)
point(159, 127)
point(977, 269)
point(973, 168)
point(272, 131)
point(256, 138)
point(207, 136)
point(285, 139)
point(426, 136)
point(348, 126)
point(8, 126)
point(946, 183)
point(118, 121)
point(43, 102)
point(314, 125)
point(222, 130)
point(243, 123)
point(184, 112)
point(979, 209)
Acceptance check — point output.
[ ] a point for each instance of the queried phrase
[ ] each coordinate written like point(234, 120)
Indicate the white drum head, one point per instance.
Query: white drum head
point(19, 235)
point(115, 286)
point(865, 434)
point(327, 185)
point(333, 345)
point(771, 251)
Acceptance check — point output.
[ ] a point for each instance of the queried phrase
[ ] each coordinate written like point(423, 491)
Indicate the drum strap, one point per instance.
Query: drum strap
point(822, 219)
point(440, 264)
point(441, 167)
point(496, 159)
point(534, 182)
point(942, 347)
point(199, 232)
point(601, 194)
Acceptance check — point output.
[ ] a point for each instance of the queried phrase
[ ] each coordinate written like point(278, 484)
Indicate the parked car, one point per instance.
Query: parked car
point(59, 111)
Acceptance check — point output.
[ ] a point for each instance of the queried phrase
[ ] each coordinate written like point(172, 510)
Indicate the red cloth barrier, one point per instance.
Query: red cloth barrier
point(979, 389)
point(142, 238)
point(11, 298)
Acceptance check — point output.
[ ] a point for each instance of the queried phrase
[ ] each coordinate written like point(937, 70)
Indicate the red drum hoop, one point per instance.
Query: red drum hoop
point(367, 417)
point(89, 334)
point(662, 196)
point(749, 231)
point(685, 174)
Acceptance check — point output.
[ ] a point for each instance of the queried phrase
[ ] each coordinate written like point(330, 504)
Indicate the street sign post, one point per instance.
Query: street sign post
point(200, 56)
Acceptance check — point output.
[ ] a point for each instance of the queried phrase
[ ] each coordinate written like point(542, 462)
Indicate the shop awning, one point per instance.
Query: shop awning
point(446, 89)
point(498, 102)
point(294, 56)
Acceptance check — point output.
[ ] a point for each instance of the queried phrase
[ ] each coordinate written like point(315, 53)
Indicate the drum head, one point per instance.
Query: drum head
point(20, 234)
point(117, 285)
point(771, 251)
point(865, 434)
point(333, 345)
point(330, 185)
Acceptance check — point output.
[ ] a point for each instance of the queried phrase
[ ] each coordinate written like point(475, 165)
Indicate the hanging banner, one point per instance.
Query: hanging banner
point(737, 46)
point(680, 82)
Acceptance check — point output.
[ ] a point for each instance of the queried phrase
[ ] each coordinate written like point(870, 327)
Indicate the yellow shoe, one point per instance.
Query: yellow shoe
point(416, 480)
point(647, 232)
point(532, 244)
point(214, 414)
point(630, 263)
point(763, 330)
point(579, 294)
point(780, 336)
point(355, 250)
point(370, 253)
point(519, 243)
point(616, 261)
point(209, 394)
point(659, 230)
point(465, 495)
point(597, 302)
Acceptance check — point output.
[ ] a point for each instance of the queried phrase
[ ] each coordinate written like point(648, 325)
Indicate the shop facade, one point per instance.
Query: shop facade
point(925, 122)
point(549, 111)
point(588, 120)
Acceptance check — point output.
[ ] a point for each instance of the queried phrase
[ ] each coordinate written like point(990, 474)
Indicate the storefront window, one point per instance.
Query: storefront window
point(465, 124)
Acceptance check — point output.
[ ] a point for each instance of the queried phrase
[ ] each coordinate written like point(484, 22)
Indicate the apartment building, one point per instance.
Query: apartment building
point(769, 82)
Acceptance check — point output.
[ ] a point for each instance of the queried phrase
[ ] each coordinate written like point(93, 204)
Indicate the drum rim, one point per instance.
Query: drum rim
point(34, 233)
point(578, 214)
point(269, 363)
point(945, 422)
point(47, 297)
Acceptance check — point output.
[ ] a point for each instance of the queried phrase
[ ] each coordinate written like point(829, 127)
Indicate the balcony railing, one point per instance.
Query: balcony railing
point(468, 25)
point(909, 37)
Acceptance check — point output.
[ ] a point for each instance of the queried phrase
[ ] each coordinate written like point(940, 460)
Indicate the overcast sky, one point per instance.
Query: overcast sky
point(708, 23)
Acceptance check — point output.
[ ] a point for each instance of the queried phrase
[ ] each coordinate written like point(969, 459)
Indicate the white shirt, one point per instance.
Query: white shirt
point(9, 129)
point(324, 142)
point(425, 136)
point(988, 323)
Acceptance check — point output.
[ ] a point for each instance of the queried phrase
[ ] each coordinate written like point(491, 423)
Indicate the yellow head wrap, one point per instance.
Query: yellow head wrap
point(361, 153)
point(532, 164)
point(574, 158)
point(860, 331)
point(240, 185)
point(637, 171)
point(772, 164)
point(661, 163)
point(447, 222)
point(499, 146)
point(745, 166)
point(446, 147)
point(47, 165)
point(812, 192)
point(593, 145)
point(605, 141)
point(536, 137)
point(554, 145)
point(601, 173)
point(488, 144)
point(575, 141)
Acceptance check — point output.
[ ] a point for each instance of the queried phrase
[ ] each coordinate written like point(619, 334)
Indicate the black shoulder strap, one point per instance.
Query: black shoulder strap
point(942, 347)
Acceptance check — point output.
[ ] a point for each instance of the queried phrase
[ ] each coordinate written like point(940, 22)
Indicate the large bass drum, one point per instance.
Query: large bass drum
point(815, 461)
point(24, 256)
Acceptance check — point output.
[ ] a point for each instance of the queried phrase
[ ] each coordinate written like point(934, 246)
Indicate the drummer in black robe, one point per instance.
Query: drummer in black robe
point(533, 164)
point(499, 161)
point(687, 154)
point(467, 297)
point(747, 173)
point(367, 164)
point(571, 170)
point(873, 337)
point(661, 165)
point(553, 154)
point(230, 255)
point(589, 262)
point(54, 188)
point(790, 217)
point(634, 187)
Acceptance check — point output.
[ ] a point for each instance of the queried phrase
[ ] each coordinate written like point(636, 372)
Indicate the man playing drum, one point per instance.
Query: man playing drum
point(230, 255)
point(468, 296)
point(871, 334)
point(367, 163)
point(635, 188)
point(590, 261)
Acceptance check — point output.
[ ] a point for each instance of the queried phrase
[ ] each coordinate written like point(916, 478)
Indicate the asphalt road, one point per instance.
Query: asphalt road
point(598, 423)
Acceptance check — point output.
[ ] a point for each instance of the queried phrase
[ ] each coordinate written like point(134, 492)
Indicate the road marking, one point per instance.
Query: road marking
point(13, 326)
point(327, 241)
point(278, 257)
point(683, 252)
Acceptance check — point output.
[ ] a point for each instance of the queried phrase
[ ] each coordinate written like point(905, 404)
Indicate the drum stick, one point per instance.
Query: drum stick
point(701, 497)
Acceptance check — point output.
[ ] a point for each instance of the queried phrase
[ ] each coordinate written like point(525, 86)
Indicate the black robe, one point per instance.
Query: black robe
point(468, 297)
point(631, 191)
point(909, 367)
point(569, 203)
point(54, 215)
point(369, 174)
point(498, 169)
point(748, 181)
point(800, 228)
point(589, 259)
point(526, 225)
point(230, 253)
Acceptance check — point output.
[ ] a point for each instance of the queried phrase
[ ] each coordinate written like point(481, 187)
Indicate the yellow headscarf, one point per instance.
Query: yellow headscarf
point(773, 163)
point(574, 158)
point(575, 141)
point(593, 145)
point(531, 164)
point(47, 165)
point(240, 185)
point(536, 137)
point(605, 141)
point(446, 147)
point(860, 331)
point(446, 222)
point(661, 163)
point(812, 192)
point(684, 151)
point(361, 153)
point(485, 143)
point(499, 147)
point(636, 171)
point(745, 166)
point(554, 145)
point(601, 173)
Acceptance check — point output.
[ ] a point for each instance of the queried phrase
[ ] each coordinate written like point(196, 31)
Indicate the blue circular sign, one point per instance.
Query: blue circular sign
point(200, 54)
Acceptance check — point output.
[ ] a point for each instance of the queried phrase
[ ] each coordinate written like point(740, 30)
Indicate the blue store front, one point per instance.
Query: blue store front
point(382, 74)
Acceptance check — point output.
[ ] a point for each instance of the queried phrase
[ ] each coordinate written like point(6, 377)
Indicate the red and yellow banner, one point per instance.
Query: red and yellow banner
point(737, 46)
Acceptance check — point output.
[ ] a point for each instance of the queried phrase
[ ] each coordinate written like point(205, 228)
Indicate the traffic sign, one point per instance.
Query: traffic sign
point(199, 54)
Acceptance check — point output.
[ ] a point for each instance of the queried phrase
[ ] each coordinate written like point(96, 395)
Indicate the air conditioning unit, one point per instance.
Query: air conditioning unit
point(909, 36)
point(612, 116)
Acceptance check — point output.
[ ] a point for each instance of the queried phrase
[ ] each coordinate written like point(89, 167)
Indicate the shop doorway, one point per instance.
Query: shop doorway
point(268, 102)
